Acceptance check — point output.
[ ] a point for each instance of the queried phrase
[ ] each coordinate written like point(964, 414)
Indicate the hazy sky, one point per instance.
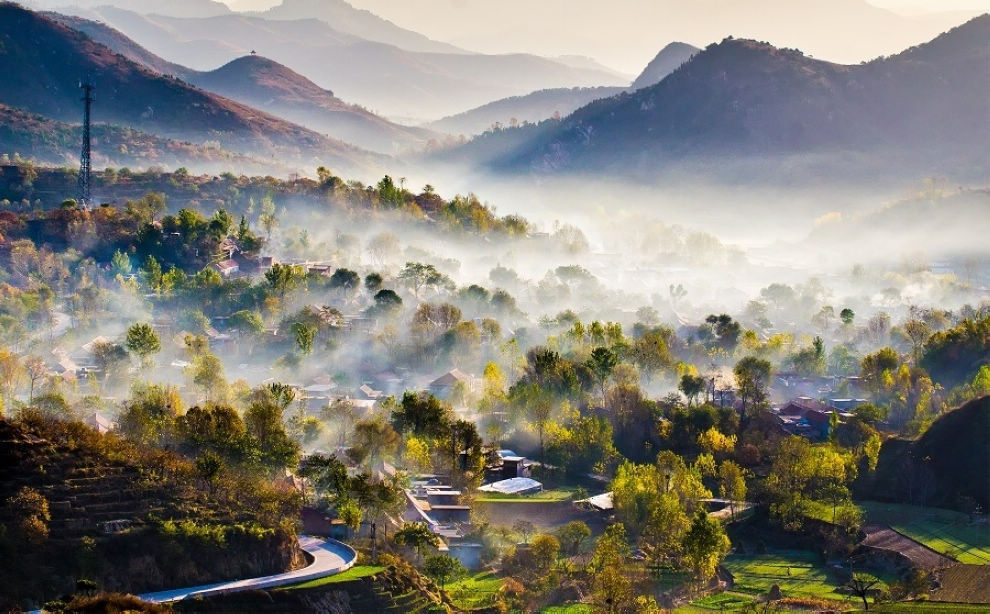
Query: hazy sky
point(906, 6)
point(626, 34)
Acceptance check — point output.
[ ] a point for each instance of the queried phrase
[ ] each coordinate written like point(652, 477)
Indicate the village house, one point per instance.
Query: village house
point(445, 386)
point(227, 268)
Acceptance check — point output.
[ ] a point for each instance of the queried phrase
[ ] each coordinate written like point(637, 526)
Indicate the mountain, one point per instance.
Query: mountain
point(365, 24)
point(556, 102)
point(746, 100)
point(534, 107)
point(50, 142)
point(623, 33)
point(173, 8)
point(383, 78)
point(666, 62)
point(44, 62)
point(270, 86)
point(267, 85)
point(116, 41)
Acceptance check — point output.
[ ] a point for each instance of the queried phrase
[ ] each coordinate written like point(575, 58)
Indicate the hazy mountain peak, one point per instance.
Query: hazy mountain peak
point(669, 58)
point(358, 22)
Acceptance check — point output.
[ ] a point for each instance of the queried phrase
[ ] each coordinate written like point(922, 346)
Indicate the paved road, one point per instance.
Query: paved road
point(329, 558)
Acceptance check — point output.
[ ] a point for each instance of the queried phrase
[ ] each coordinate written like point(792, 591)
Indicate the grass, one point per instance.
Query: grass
point(571, 608)
point(944, 531)
point(354, 573)
point(929, 607)
point(474, 591)
point(798, 574)
point(557, 495)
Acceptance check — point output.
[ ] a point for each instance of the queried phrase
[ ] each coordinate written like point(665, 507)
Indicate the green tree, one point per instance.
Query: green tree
point(572, 535)
point(304, 334)
point(860, 585)
point(143, 341)
point(443, 568)
point(732, 484)
point(602, 363)
point(705, 545)
point(692, 386)
point(267, 218)
point(610, 585)
point(545, 550)
point(209, 466)
point(416, 535)
point(752, 379)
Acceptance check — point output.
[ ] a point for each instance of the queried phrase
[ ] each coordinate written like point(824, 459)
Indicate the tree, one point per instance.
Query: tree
point(692, 386)
point(35, 368)
point(705, 544)
point(28, 510)
point(267, 217)
point(847, 316)
point(209, 466)
point(143, 341)
point(344, 279)
point(108, 356)
point(572, 535)
point(860, 585)
point(918, 331)
point(416, 535)
point(732, 484)
point(443, 568)
point(374, 441)
point(386, 301)
point(524, 528)
point(304, 335)
point(611, 588)
point(545, 550)
point(419, 276)
point(752, 378)
point(373, 282)
point(602, 363)
point(282, 277)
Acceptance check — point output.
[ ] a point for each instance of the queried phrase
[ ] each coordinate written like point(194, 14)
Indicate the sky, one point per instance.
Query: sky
point(624, 35)
point(901, 6)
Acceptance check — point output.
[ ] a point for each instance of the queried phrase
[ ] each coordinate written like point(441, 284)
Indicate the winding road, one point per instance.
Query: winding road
point(330, 557)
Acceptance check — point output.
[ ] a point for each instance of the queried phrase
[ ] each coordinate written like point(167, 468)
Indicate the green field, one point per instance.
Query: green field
point(354, 573)
point(557, 495)
point(799, 573)
point(944, 531)
point(474, 591)
point(572, 608)
point(928, 607)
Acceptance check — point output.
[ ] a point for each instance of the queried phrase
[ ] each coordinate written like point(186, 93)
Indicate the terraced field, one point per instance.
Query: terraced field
point(475, 591)
point(944, 531)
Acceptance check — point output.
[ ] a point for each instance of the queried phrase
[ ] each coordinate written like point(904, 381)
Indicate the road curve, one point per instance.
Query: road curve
point(330, 557)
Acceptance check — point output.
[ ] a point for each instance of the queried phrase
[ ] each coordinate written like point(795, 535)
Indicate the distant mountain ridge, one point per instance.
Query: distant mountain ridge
point(264, 84)
point(557, 102)
point(348, 19)
point(750, 99)
point(384, 78)
point(45, 60)
point(534, 107)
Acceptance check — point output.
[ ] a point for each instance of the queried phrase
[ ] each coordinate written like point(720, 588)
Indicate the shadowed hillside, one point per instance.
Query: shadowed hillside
point(746, 99)
point(45, 62)
point(57, 143)
point(172, 531)
point(945, 467)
